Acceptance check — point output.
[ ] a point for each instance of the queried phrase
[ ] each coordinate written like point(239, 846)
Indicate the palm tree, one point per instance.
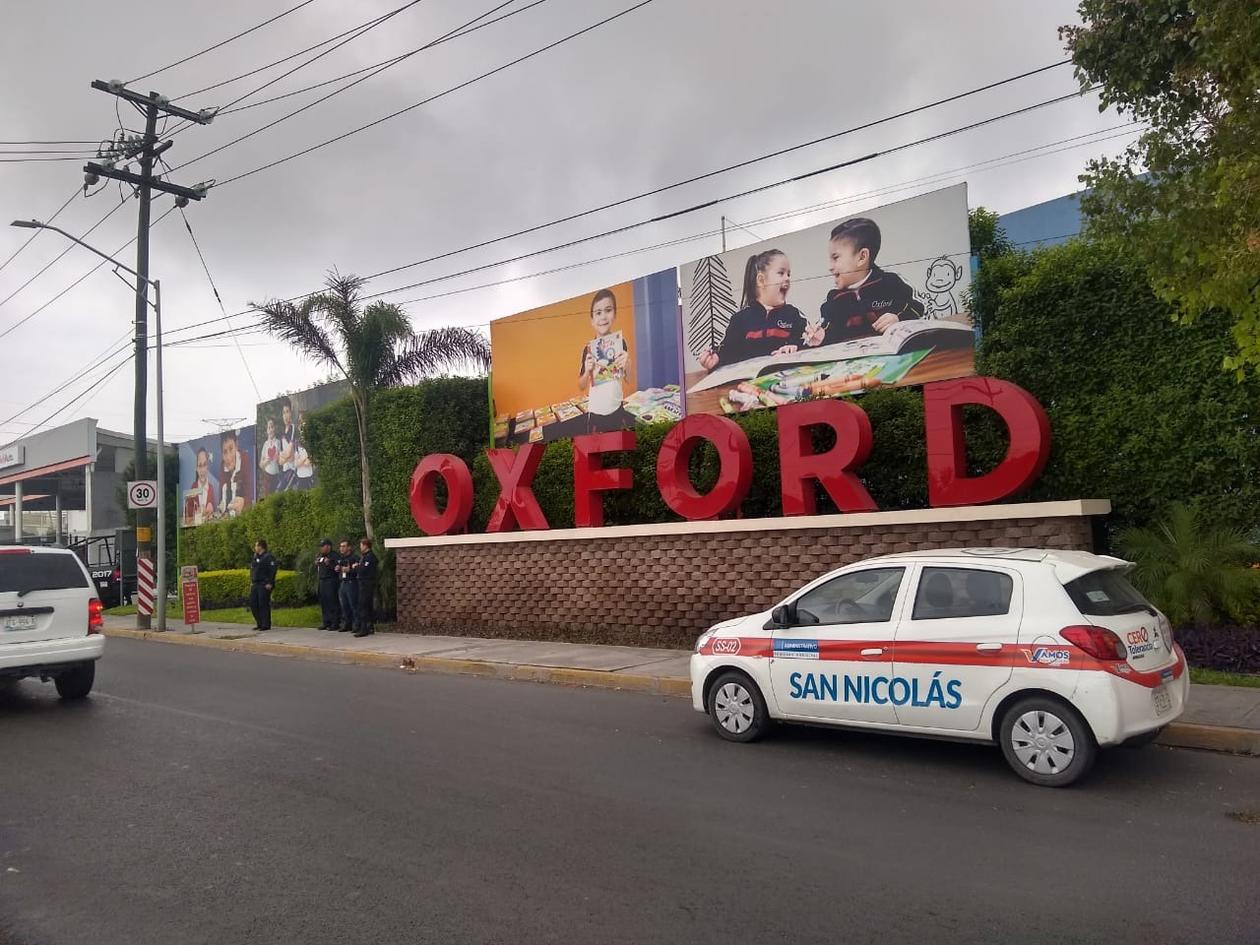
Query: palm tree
point(370, 347)
point(1193, 570)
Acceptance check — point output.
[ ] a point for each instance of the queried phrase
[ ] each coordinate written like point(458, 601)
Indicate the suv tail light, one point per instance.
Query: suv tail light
point(96, 618)
point(16, 551)
point(117, 575)
point(1098, 642)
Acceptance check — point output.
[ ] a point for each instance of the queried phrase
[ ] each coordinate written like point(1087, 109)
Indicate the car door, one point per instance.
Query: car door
point(955, 644)
point(832, 662)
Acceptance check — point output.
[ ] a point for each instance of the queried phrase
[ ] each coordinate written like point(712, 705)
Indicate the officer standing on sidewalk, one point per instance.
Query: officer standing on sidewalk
point(326, 569)
point(369, 568)
point(262, 581)
point(348, 587)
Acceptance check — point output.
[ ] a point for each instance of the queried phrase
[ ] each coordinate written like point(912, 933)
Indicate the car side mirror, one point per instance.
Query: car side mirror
point(782, 616)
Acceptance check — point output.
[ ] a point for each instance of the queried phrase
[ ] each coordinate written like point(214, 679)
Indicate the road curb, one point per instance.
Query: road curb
point(1240, 741)
point(656, 685)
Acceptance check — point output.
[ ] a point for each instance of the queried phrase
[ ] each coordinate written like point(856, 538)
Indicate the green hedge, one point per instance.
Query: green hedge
point(231, 589)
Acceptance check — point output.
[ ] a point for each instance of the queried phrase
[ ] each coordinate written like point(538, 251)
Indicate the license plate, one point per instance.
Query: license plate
point(1162, 700)
point(19, 623)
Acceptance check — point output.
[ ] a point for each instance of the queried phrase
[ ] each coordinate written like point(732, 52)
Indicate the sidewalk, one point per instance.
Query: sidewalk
point(1222, 718)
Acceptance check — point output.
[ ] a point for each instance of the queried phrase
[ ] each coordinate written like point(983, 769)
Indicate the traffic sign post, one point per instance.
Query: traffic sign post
point(142, 494)
point(190, 593)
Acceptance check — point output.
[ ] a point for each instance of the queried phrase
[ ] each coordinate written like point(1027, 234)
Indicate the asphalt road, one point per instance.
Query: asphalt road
point(202, 796)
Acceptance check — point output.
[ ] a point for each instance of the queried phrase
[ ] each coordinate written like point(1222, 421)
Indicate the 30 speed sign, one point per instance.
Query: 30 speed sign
point(142, 494)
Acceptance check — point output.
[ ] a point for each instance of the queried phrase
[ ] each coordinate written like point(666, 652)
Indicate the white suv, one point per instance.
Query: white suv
point(1051, 654)
point(50, 619)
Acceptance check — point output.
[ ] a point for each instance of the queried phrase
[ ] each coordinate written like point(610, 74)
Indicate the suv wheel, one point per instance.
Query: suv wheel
point(1046, 741)
point(737, 709)
point(75, 683)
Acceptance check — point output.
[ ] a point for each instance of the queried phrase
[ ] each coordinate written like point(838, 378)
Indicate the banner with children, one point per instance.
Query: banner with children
point(606, 360)
point(216, 476)
point(283, 462)
point(861, 302)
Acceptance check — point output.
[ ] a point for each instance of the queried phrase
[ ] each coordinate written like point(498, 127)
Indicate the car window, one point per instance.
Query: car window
point(961, 592)
point(1106, 593)
point(24, 573)
point(857, 597)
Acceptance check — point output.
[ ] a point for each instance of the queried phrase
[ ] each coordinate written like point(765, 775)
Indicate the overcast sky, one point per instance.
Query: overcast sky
point(669, 91)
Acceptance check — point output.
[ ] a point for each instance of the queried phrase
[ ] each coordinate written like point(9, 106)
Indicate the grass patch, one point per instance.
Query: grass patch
point(1214, 677)
point(126, 610)
point(308, 616)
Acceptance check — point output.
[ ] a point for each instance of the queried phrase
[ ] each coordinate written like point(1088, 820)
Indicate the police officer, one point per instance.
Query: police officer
point(326, 569)
point(348, 586)
point(262, 581)
point(368, 570)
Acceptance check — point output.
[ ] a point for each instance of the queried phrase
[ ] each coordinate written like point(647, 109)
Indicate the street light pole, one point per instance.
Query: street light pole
point(142, 298)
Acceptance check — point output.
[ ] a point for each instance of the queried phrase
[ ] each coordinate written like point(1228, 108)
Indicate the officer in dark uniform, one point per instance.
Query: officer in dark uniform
point(326, 569)
point(368, 571)
point(348, 586)
point(262, 581)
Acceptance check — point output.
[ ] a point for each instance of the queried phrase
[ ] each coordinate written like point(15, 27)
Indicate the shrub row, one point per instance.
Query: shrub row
point(231, 589)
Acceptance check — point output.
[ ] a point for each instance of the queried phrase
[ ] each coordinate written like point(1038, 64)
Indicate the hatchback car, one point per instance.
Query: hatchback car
point(50, 619)
point(1050, 654)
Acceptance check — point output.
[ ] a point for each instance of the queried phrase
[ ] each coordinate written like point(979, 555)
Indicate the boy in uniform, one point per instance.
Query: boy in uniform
point(866, 300)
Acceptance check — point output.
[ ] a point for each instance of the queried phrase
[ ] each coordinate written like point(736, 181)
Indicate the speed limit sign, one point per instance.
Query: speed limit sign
point(142, 494)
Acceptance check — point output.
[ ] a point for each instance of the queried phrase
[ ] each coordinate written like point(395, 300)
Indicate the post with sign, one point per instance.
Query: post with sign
point(143, 494)
point(190, 592)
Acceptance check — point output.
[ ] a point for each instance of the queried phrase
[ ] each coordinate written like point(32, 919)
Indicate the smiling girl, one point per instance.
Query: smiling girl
point(766, 323)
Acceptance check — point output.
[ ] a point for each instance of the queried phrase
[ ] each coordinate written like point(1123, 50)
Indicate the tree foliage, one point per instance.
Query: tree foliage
point(372, 347)
point(1196, 572)
point(1184, 198)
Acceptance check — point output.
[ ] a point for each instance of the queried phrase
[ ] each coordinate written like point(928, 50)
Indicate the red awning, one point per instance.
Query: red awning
point(46, 470)
point(8, 500)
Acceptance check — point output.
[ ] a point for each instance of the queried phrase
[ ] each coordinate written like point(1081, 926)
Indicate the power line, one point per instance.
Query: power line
point(59, 256)
point(459, 34)
point(61, 141)
point(448, 35)
point(34, 233)
point(105, 378)
point(22, 321)
point(221, 44)
point(704, 205)
point(79, 375)
point(402, 111)
point(218, 298)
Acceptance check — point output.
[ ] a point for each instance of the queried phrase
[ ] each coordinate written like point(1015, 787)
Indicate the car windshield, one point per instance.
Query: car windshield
point(1106, 593)
point(25, 573)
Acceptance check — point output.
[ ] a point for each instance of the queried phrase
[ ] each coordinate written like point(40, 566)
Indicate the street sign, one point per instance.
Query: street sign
point(142, 494)
point(190, 593)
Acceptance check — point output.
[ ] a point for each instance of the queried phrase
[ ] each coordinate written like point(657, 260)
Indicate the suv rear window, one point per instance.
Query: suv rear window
point(40, 572)
point(1106, 593)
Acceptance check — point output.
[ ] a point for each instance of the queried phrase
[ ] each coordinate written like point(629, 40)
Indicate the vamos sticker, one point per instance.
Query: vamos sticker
point(728, 646)
point(795, 649)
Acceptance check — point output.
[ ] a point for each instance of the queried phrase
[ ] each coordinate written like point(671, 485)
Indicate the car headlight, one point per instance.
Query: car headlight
point(703, 639)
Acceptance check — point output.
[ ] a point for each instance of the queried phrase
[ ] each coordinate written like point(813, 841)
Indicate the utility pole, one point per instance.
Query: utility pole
point(147, 149)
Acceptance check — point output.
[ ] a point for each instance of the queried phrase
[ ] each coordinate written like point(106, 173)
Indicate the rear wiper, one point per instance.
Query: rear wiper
point(1134, 608)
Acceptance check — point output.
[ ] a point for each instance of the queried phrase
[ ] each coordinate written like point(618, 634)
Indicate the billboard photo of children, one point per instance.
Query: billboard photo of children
point(862, 315)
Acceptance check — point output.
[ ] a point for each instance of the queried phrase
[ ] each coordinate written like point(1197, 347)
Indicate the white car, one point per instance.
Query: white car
point(50, 619)
point(1051, 654)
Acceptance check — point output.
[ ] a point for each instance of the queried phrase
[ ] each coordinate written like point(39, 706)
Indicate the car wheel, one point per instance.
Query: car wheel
point(737, 709)
point(75, 683)
point(1046, 742)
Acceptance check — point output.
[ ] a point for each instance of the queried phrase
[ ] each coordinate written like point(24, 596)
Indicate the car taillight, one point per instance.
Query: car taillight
point(1098, 642)
point(96, 618)
point(16, 551)
point(117, 575)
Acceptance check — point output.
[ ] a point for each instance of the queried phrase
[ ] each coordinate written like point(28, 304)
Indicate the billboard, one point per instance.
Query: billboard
point(857, 303)
point(603, 361)
point(216, 476)
point(283, 464)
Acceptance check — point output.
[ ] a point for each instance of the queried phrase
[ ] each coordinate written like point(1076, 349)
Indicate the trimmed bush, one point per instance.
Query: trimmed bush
point(1225, 648)
point(231, 589)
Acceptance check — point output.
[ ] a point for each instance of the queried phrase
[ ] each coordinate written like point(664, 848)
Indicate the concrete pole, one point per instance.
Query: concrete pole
point(161, 460)
point(57, 516)
point(17, 513)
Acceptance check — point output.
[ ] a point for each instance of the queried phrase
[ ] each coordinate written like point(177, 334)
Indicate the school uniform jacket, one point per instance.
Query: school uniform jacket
point(754, 332)
point(850, 313)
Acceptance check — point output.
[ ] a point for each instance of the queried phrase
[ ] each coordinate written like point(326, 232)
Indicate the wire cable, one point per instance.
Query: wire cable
point(448, 35)
point(218, 298)
point(30, 239)
point(64, 252)
point(220, 45)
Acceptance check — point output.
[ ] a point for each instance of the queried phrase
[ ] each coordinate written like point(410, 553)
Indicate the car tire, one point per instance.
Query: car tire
point(737, 709)
point(75, 683)
point(1046, 741)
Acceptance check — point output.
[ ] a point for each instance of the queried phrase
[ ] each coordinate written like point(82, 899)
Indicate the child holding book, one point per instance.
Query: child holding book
point(765, 324)
point(867, 300)
point(605, 365)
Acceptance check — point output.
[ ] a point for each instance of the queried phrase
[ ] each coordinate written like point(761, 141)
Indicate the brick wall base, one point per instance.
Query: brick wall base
point(662, 590)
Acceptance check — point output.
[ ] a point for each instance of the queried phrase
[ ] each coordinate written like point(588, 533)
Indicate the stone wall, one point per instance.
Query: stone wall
point(662, 590)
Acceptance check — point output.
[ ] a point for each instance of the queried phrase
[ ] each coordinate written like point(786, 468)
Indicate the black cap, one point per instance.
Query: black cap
point(325, 541)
